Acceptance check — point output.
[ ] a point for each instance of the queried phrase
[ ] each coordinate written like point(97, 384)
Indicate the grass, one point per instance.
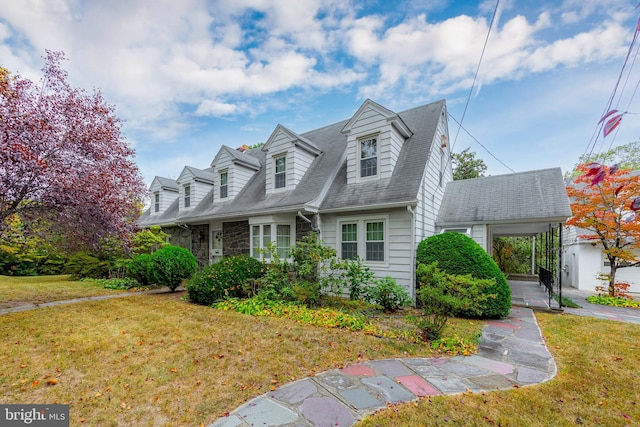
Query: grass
point(597, 384)
point(158, 360)
point(33, 289)
point(566, 302)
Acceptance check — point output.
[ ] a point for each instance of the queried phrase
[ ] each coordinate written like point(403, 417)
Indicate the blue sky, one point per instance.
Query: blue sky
point(188, 76)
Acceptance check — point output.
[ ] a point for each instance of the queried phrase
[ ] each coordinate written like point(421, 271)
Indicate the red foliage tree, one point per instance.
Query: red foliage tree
point(63, 160)
point(603, 202)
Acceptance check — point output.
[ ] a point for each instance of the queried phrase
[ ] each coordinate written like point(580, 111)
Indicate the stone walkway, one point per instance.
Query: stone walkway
point(511, 353)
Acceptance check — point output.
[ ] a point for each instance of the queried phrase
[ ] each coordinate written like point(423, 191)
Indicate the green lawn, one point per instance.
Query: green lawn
point(155, 359)
point(598, 384)
point(16, 291)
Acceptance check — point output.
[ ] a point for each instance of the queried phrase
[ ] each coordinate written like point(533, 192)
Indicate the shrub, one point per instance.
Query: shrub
point(388, 294)
point(116, 284)
point(224, 279)
point(140, 269)
point(458, 254)
point(172, 264)
point(81, 265)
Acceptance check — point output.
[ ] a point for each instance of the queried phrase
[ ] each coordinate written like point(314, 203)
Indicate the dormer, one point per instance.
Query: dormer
point(164, 192)
point(375, 136)
point(232, 170)
point(289, 156)
point(193, 185)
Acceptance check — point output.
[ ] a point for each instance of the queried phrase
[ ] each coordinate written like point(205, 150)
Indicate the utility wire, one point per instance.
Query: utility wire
point(466, 105)
point(476, 140)
point(594, 138)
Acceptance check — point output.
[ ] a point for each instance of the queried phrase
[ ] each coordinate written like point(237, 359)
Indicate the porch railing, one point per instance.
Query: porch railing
point(546, 279)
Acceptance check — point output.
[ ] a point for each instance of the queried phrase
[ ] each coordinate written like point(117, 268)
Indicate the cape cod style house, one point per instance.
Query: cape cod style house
point(373, 186)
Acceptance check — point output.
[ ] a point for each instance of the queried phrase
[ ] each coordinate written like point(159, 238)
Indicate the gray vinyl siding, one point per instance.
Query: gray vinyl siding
point(399, 258)
point(298, 162)
point(431, 192)
point(237, 177)
point(198, 189)
point(479, 234)
point(167, 197)
point(370, 123)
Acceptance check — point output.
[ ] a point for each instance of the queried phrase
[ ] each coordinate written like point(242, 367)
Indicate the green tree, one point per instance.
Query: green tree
point(467, 166)
point(625, 156)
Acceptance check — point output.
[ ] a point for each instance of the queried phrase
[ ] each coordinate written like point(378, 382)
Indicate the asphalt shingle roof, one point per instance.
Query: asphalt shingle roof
point(533, 195)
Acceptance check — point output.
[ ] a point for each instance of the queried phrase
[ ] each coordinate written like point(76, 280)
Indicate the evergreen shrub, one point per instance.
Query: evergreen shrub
point(460, 255)
point(172, 264)
point(224, 279)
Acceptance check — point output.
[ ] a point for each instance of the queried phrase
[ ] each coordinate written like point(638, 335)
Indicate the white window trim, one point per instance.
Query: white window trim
point(274, 236)
point(284, 155)
point(361, 222)
point(224, 171)
point(184, 195)
point(359, 140)
point(156, 202)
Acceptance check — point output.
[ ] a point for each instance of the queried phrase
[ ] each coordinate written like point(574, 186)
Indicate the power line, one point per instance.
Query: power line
point(480, 144)
point(475, 76)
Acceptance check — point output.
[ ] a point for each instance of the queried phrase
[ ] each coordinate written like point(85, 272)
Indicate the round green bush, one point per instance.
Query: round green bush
point(224, 279)
point(172, 264)
point(459, 254)
point(140, 268)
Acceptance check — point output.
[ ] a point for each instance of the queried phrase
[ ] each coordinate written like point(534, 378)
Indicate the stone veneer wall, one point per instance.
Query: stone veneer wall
point(195, 238)
point(235, 240)
point(303, 228)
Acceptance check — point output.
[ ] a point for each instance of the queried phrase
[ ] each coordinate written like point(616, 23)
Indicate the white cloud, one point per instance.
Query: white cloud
point(215, 108)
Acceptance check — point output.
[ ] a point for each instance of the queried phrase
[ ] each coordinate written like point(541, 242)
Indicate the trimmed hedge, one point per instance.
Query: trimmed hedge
point(459, 254)
point(140, 268)
point(224, 279)
point(172, 264)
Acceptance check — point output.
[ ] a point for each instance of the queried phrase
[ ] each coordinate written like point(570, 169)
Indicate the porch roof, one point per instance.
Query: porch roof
point(522, 203)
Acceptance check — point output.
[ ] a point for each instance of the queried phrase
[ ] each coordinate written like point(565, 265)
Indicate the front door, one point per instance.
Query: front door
point(215, 254)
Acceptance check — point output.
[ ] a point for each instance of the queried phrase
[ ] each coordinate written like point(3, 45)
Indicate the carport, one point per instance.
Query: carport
point(532, 204)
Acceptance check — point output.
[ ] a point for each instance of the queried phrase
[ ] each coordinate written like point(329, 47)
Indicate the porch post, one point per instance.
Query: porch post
point(560, 264)
point(533, 254)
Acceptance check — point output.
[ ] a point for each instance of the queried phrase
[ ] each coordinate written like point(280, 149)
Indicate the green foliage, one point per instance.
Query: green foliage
point(513, 254)
point(566, 302)
point(140, 269)
point(613, 301)
point(466, 166)
point(324, 317)
point(315, 271)
point(224, 279)
point(388, 294)
point(626, 156)
point(460, 255)
point(115, 284)
point(149, 240)
point(356, 277)
point(173, 264)
point(82, 264)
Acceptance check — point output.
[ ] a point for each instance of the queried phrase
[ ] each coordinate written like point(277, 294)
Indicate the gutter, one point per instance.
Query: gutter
point(370, 207)
point(413, 251)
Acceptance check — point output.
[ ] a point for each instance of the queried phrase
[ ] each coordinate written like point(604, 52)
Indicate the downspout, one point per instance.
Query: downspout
point(413, 252)
point(314, 228)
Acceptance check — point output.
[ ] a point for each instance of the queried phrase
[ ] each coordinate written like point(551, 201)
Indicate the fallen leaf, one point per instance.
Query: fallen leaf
point(52, 381)
point(35, 383)
point(123, 405)
point(173, 370)
point(98, 394)
point(138, 343)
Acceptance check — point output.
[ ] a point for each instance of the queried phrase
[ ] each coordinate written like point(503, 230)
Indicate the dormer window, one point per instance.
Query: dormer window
point(280, 176)
point(187, 196)
point(156, 202)
point(368, 157)
point(224, 184)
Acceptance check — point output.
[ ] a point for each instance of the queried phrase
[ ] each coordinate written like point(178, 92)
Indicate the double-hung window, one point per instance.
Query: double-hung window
point(262, 236)
point(187, 196)
point(368, 157)
point(364, 238)
point(224, 184)
point(280, 175)
point(156, 202)
point(349, 245)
